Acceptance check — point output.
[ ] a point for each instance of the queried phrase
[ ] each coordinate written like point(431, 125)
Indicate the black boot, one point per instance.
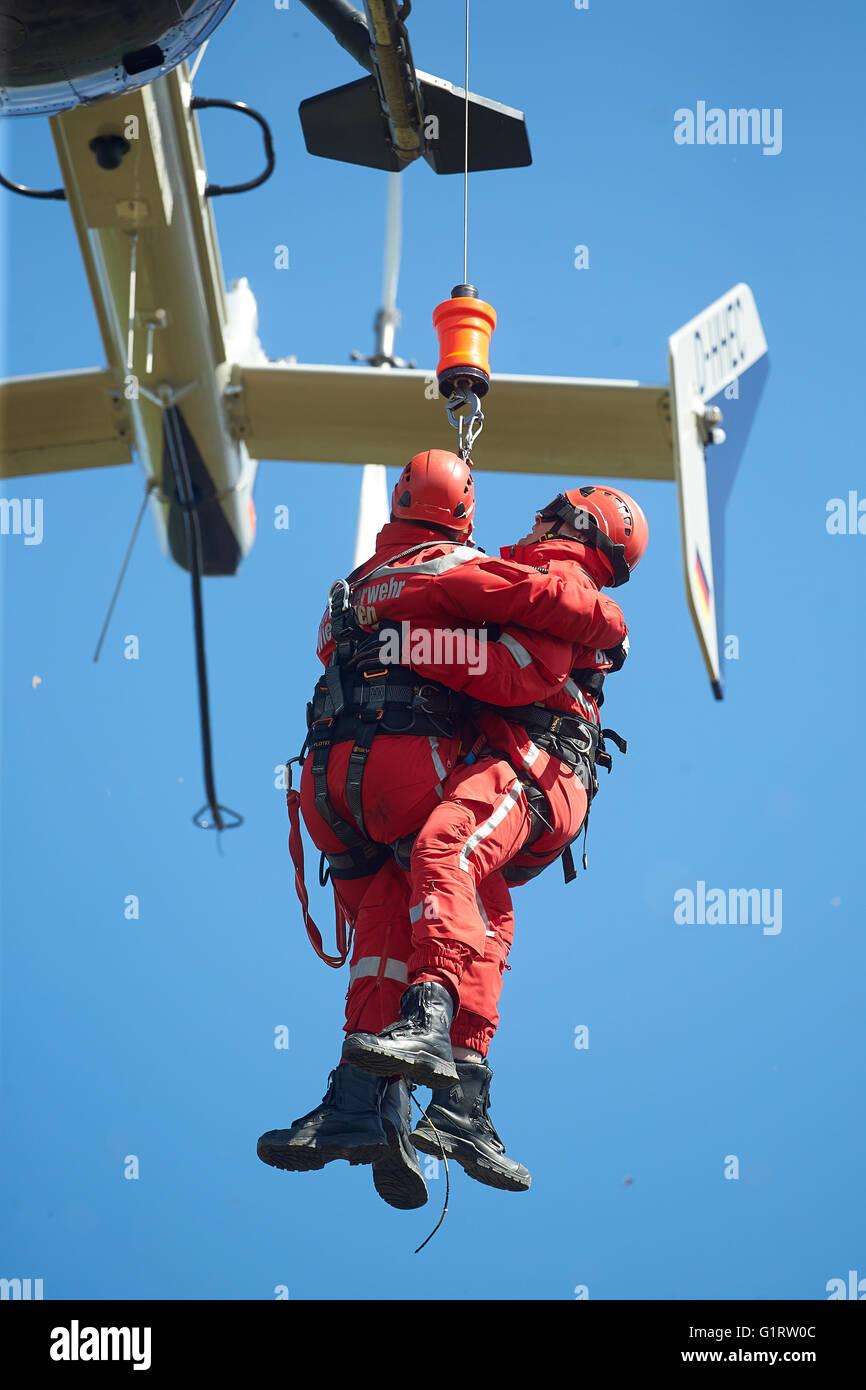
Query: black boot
point(466, 1130)
point(397, 1177)
point(346, 1125)
point(418, 1046)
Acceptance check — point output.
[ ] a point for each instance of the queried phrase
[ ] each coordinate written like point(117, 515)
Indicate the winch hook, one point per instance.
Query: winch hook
point(464, 325)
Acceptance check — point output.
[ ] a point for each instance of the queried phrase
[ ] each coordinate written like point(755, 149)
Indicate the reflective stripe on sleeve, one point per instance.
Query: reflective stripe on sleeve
point(459, 556)
point(517, 649)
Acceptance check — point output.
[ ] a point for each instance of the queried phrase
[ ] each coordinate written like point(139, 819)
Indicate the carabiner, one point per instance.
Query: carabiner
point(469, 424)
point(339, 587)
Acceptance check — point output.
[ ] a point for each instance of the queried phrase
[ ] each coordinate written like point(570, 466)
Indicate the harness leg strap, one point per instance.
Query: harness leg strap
point(372, 709)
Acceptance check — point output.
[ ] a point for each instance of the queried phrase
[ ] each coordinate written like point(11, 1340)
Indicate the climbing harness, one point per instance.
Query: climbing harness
point(577, 742)
point(357, 696)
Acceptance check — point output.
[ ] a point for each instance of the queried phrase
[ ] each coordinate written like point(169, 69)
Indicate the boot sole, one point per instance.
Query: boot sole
point(425, 1069)
point(473, 1163)
point(310, 1158)
point(396, 1179)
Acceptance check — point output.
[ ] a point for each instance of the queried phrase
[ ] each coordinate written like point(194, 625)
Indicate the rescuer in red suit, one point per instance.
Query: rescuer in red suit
point(402, 773)
point(490, 819)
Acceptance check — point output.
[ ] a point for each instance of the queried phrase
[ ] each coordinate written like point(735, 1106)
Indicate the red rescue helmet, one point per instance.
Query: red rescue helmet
point(610, 522)
point(435, 488)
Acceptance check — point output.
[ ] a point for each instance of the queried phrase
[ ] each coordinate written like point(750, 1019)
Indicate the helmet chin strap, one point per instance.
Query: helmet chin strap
point(562, 512)
point(555, 534)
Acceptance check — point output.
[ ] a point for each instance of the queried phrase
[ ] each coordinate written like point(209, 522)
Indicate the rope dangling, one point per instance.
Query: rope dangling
point(296, 850)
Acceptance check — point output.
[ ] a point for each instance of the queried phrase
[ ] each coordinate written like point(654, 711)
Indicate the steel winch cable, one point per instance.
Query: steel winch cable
point(466, 154)
point(151, 484)
point(464, 323)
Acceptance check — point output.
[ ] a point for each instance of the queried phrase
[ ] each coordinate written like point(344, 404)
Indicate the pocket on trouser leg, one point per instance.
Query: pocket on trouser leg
point(480, 991)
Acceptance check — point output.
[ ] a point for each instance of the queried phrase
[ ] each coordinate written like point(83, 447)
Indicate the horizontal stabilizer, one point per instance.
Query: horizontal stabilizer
point(347, 123)
point(497, 133)
point(538, 424)
point(62, 421)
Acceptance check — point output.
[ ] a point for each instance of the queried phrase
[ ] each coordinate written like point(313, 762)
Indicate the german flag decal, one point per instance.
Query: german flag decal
point(703, 586)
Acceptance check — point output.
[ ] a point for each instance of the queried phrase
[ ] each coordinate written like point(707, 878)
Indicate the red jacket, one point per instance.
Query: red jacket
point(557, 557)
point(443, 583)
point(526, 667)
point(515, 664)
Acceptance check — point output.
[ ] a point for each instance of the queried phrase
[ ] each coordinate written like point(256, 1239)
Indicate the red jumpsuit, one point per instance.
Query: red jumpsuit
point(407, 778)
point(484, 822)
point(438, 582)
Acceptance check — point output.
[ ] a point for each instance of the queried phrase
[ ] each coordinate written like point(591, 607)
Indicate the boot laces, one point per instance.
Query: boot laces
point(482, 1107)
point(332, 1086)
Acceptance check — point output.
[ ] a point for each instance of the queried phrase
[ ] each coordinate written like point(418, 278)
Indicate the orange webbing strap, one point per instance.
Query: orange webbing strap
point(296, 850)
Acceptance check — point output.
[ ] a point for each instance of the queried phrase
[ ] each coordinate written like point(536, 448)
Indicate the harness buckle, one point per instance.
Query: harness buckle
point(425, 693)
point(371, 716)
point(372, 697)
point(585, 741)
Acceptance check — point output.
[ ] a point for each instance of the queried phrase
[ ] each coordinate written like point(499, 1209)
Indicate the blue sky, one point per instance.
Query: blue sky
point(154, 1037)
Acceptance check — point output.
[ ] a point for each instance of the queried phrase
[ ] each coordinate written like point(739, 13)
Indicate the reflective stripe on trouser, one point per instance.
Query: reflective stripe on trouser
point(383, 934)
point(372, 966)
point(482, 821)
point(383, 929)
point(381, 946)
